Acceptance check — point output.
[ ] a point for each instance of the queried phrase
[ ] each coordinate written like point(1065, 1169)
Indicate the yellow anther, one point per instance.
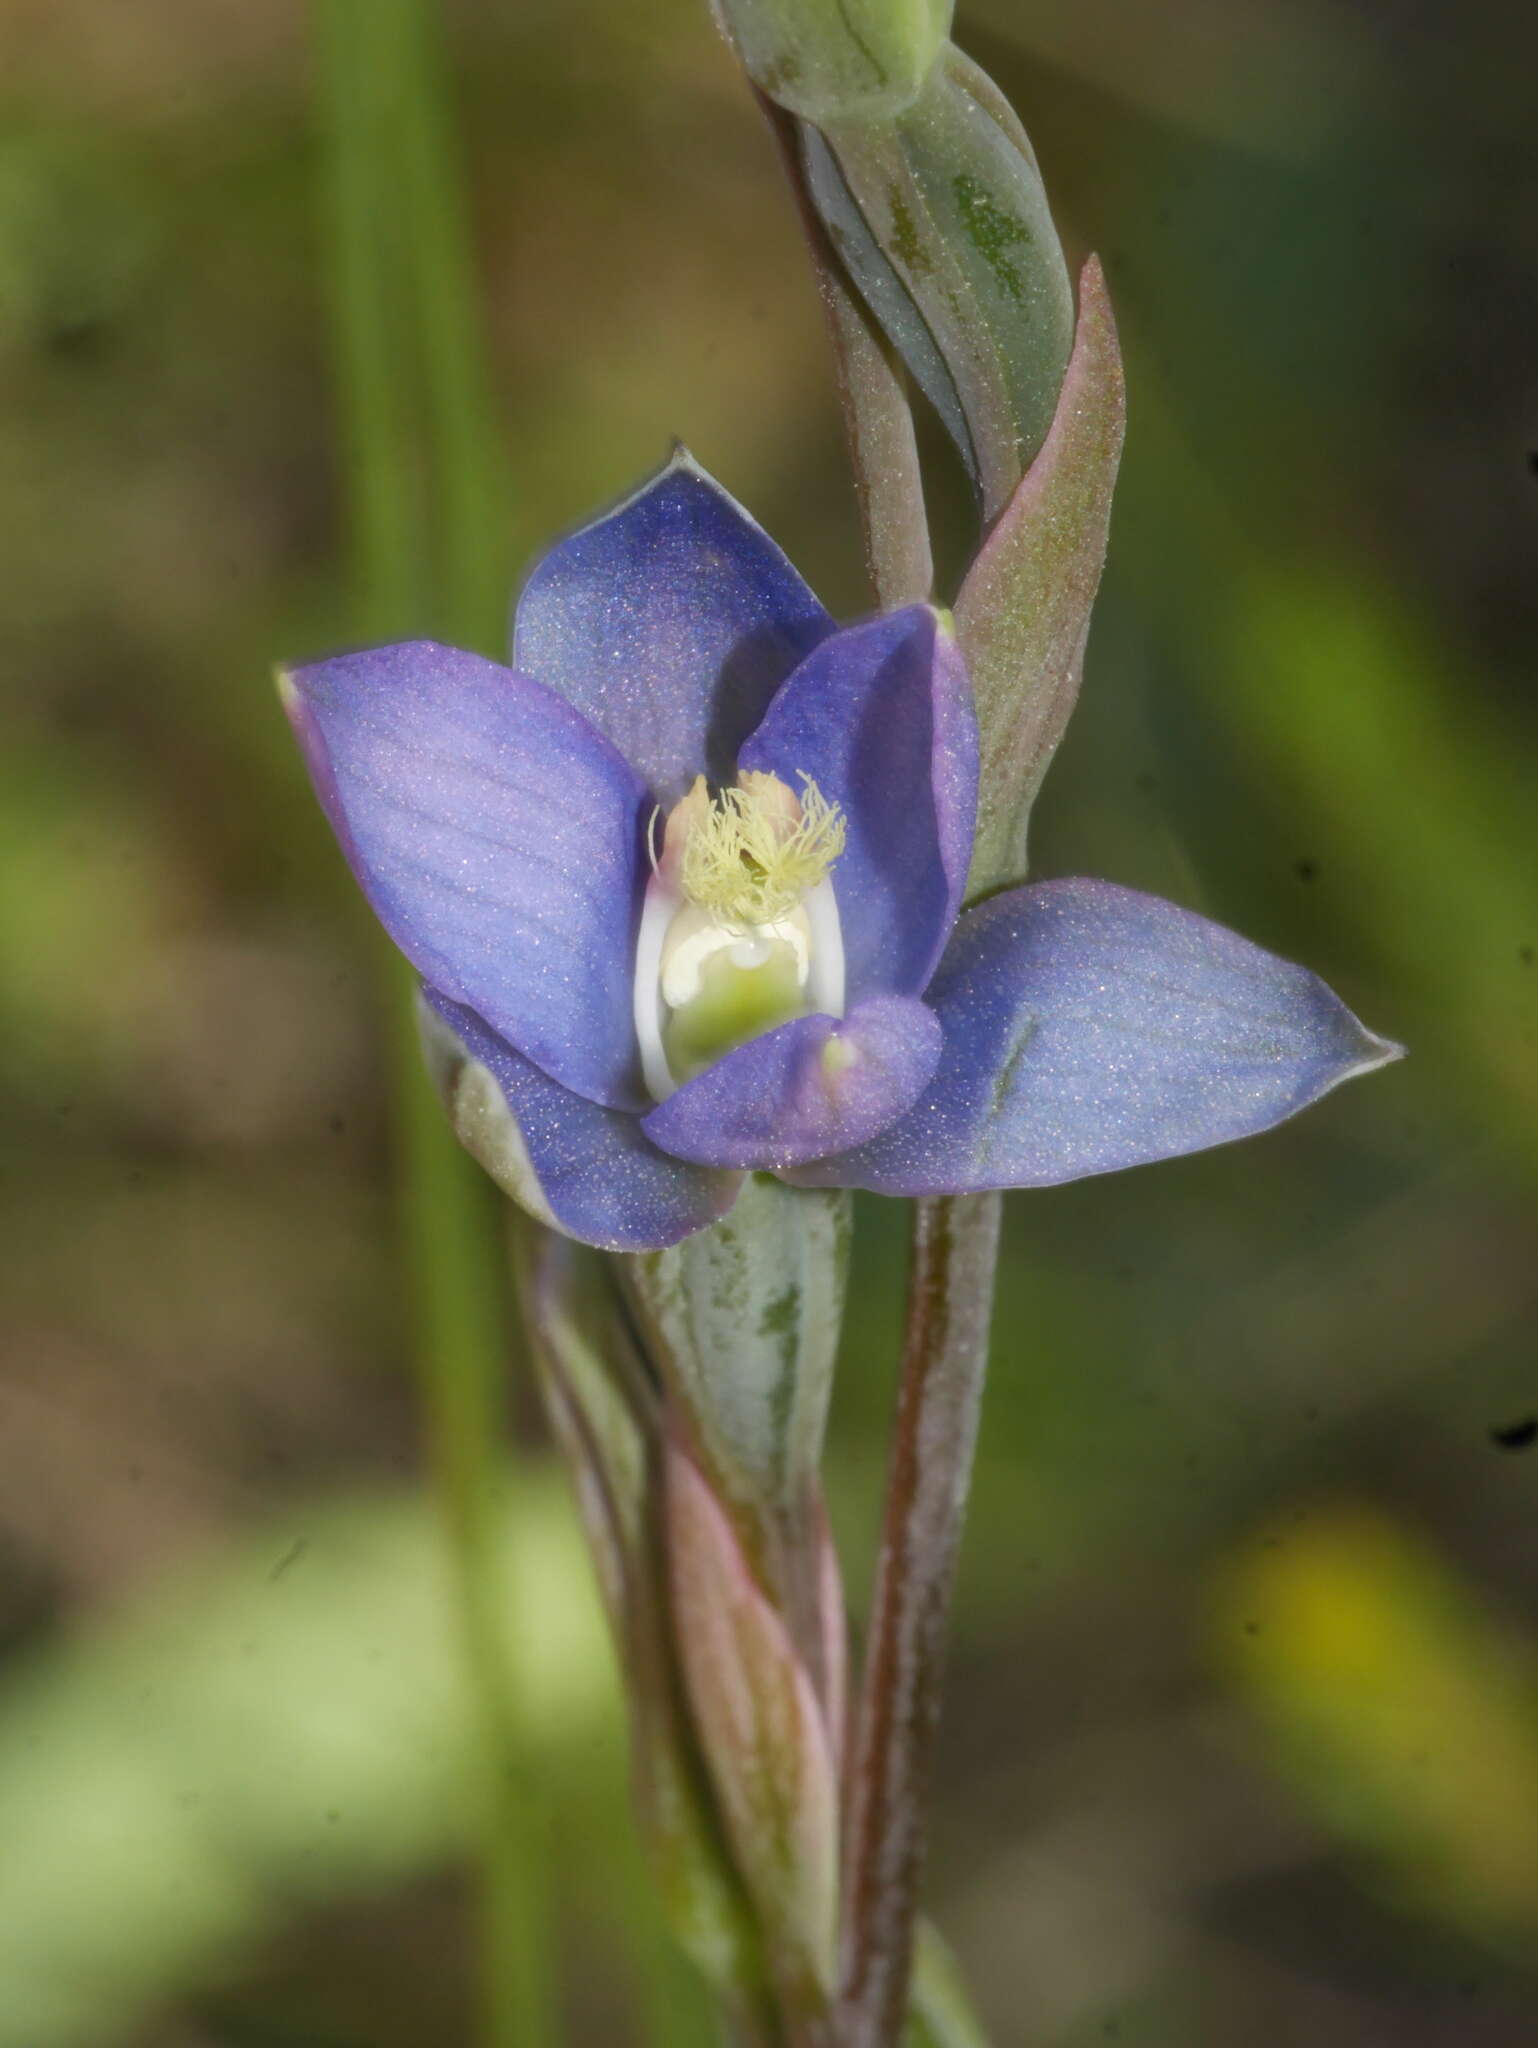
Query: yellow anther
point(752, 853)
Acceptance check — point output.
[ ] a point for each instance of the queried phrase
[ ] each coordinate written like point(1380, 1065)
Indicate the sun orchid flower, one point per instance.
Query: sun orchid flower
point(684, 888)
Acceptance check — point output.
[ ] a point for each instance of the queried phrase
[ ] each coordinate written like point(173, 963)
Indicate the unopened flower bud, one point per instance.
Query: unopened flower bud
point(834, 60)
point(761, 1726)
point(942, 223)
point(604, 1415)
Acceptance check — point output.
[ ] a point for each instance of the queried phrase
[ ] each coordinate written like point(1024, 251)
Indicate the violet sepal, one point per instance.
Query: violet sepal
point(497, 836)
point(1091, 1028)
point(669, 623)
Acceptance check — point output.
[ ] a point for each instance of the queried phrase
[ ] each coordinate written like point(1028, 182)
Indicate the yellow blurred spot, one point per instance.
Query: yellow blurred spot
point(1404, 1712)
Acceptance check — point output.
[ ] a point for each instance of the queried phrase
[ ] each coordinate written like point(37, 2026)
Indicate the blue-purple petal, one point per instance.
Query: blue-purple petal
point(880, 717)
point(808, 1088)
point(498, 838)
point(669, 623)
point(589, 1171)
point(1089, 1027)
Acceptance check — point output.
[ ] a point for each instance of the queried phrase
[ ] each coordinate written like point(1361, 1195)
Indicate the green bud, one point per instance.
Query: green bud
point(604, 1413)
point(766, 1741)
point(742, 1322)
point(743, 1319)
point(836, 60)
point(942, 223)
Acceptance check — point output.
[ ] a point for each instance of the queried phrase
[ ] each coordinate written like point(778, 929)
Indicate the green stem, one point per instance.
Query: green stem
point(405, 347)
point(453, 1247)
point(375, 426)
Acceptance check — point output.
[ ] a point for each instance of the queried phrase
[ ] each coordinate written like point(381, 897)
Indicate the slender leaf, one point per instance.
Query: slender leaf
point(1024, 610)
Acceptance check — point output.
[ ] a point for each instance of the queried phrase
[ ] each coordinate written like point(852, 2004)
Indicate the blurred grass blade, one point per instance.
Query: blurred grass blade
point(359, 49)
point(406, 349)
point(470, 490)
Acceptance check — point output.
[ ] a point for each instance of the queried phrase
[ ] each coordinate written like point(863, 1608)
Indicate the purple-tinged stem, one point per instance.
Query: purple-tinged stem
point(950, 1303)
point(945, 1358)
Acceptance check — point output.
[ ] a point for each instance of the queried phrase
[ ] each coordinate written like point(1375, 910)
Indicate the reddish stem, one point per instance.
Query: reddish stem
point(945, 1356)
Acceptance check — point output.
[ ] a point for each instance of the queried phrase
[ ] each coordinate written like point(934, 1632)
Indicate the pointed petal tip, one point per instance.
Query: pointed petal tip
point(681, 456)
point(1095, 299)
point(1360, 1052)
point(1377, 1052)
point(681, 460)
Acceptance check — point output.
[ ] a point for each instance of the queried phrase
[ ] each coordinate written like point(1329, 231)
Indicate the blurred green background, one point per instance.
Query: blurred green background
point(1242, 1742)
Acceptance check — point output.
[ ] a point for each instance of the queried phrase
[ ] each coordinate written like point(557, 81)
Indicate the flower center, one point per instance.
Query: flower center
point(740, 930)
